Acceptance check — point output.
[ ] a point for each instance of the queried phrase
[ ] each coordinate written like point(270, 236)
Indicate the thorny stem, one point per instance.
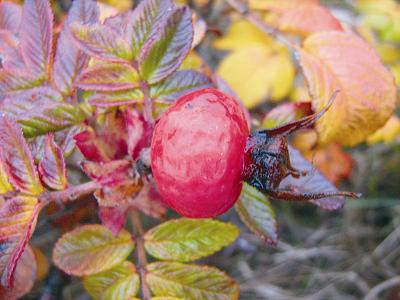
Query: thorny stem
point(256, 20)
point(69, 194)
point(148, 103)
point(142, 259)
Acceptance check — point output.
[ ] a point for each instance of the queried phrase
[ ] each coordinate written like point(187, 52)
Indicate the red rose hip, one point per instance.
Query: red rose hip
point(197, 153)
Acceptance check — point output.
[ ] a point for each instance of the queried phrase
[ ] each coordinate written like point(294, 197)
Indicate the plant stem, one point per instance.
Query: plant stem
point(148, 103)
point(142, 259)
point(69, 194)
point(256, 20)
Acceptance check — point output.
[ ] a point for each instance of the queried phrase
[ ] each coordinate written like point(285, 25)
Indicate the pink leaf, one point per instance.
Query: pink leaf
point(139, 133)
point(109, 77)
point(69, 60)
point(15, 80)
point(10, 16)
point(65, 139)
point(25, 274)
point(36, 36)
point(102, 42)
point(113, 218)
point(52, 166)
point(11, 57)
point(109, 173)
point(17, 222)
point(17, 158)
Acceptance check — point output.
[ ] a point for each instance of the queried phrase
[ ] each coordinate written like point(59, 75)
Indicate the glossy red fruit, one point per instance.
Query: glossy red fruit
point(197, 153)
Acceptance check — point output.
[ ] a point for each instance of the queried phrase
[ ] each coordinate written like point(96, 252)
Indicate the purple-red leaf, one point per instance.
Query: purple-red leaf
point(36, 36)
point(69, 60)
point(15, 80)
point(52, 166)
point(25, 275)
point(179, 84)
point(17, 222)
point(65, 139)
point(167, 46)
point(108, 99)
point(144, 22)
point(109, 77)
point(10, 55)
point(113, 218)
point(40, 110)
point(313, 183)
point(17, 158)
point(102, 42)
point(139, 133)
point(10, 16)
point(110, 173)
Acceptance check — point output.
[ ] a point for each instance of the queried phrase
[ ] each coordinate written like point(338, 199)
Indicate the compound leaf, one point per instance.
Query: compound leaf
point(108, 99)
point(190, 282)
point(255, 210)
point(91, 249)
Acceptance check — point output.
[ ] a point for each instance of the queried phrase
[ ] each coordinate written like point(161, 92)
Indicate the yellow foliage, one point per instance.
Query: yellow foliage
point(257, 69)
point(387, 133)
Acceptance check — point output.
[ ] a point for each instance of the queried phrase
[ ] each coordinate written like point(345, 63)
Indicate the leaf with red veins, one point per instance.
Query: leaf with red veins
point(36, 36)
point(113, 218)
point(14, 80)
point(139, 133)
point(109, 77)
point(11, 57)
point(69, 61)
point(121, 193)
point(5, 185)
point(17, 222)
point(167, 46)
point(110, 173)
point(10, 16)
point(106, 142)
point(17, 158)
point(25, 274)
point(65, 139)
point(52, 166)
point(116, 98)
point(102, 42)
point(315, 182)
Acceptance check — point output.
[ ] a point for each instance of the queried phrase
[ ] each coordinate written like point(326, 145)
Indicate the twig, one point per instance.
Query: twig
point(256, 20)
point(147, 103)
point(69, 194)
point(378, 289)
point(142, 259)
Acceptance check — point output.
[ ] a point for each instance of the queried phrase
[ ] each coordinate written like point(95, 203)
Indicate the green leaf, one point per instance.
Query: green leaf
point(5, 185)
point(118, 283)
point(14, 81)
point(256, 212)
point(41, 110)
point(188, 239)
point(166, 48)
point(178, 84)
point(166, 298)
point(190, 282)
point(90, 249)
point(107, 99)
point(109, 77)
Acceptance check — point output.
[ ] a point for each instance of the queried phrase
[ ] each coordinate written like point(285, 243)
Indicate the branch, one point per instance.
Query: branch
point(69, 194)
point(378, 289)
point(148, 103)
point(142, 259)
point(256, 20)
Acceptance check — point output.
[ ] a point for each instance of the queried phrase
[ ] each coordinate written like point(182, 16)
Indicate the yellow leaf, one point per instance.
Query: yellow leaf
point(257, 73)
point(387, 133)
point(242, 34)
point(342, 61)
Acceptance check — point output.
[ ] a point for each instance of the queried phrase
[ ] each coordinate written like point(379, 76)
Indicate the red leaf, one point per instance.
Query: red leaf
point(121, 193)
point(17, 222)
point(17, 158)
point(113, 218)
point(25, 275)
point(313, 183)
point(65, 139)
point(69, 61)
point(107, 142)
point(110, 173)
point(102, 42)
point(52, 166)
point(139, 133)
point(36, 36)
point(109, 77)
point(10, 16)
point(149, 202)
